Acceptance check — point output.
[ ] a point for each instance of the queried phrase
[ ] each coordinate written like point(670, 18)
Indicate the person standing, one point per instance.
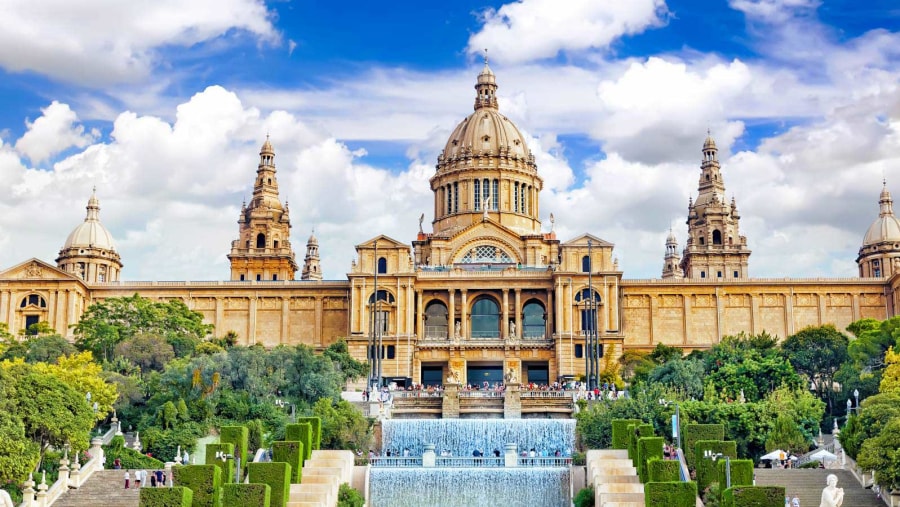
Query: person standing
point(127, 479)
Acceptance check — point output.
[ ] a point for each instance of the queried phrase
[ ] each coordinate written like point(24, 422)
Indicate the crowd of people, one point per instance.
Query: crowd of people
point(157, 478)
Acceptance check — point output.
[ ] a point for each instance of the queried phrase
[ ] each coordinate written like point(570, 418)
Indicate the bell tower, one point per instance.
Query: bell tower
point(311, 269)
point(715, 248)
point(263, 250)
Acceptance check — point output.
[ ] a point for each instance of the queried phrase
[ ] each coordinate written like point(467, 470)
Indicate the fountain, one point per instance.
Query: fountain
point(471, 484)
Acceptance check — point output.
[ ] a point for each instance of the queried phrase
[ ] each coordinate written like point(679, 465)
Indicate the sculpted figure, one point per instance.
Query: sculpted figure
point(832, 496)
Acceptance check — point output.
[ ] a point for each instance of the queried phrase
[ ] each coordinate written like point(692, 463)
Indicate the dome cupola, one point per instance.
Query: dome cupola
point(90, 252)
point(879, 255)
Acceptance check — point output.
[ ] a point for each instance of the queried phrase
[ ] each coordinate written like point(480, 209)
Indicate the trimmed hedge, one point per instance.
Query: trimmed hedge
point(620, 435)
point(290, 452)
point(753, 496)
point(226, 466)
point(316, 423)
point(246, 495)
point(178, 496)
point(741, 473)
point(238, 436)
point(663, 470)
point(648, 448)
point(638, 431)
point(300, 432)
point(693, 433)
point(706, 467)
point(277, 476)
point(129, 458)
point(204, 480)
point(670, 494)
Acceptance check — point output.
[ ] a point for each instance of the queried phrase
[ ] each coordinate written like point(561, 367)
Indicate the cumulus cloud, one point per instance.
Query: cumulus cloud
point(536, 29)
point(54, 131)
point(97, 42)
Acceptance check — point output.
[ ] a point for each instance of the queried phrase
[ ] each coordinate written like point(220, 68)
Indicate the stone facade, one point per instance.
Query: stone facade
point(488, 292)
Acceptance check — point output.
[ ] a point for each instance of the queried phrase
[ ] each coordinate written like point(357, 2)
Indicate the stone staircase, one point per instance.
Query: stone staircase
point(323, 473)
point(614, 478)
point(807, 484)
point(106, 488)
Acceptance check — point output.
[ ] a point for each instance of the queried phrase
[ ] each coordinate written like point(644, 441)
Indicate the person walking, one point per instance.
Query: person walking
point(127, 479)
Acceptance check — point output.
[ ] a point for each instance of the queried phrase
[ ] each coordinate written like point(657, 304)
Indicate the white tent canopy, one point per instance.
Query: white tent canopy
point(776, 454)
point(822, 455)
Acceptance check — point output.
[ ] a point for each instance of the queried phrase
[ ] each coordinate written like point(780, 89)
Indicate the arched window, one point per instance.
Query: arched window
point(487, 254)
point(436, 320)
point(33, 300)
point(585, 264)
point(702, 241)
point(534, 320)
point(260, 240)
point(382, 265)
point(384, 296)
point(717, 237)
point(485, 318)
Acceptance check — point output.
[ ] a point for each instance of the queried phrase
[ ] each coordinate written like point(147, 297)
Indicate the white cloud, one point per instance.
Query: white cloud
point(96, 42)
point(536, 29)
point(54, 131)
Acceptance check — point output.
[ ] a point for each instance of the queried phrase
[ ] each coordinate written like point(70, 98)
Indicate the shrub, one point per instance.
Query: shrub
point(663, 470)
point(300, 432)
point(246, 495)
point(693, 433)
point(753, 496)
point(177, 496)
point(670, 494)
point(741, 473)
point(316, 423)
point(706, 467)
point(638, 431)
point(584, 497)
point(204, 480)
point(620, 434)
point(277, 476)
point(129, 458)
point(238, 436)
point(226, 466)
point(290, 452)
point(648, 448)
point(349, 497)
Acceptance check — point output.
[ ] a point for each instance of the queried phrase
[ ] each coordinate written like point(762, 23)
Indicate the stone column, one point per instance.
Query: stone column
point(551, 321)
point(450, 406)
point(451, 308)
point(286, 321)
point(504, 324)
point(420, 316)
point(28, 492)
point(75, 474)
point(465, 312)
point(251, 322)
point(512, 401)
point(510, 455)
point(97, 452)
point(518, 318)
point(41, 497)
point(64, 468)
point(320, 316)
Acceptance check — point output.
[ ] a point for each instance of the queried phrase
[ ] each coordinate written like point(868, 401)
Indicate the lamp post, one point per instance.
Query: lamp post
point(716, 455)
point(281, 404)
point(592, 353)
point(856, 395)
point(375, 335)
point(224, 456)
point(849, 408)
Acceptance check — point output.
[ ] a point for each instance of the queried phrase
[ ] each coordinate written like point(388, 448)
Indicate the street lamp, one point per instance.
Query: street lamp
point(281, 404)
point(849, 408)
point(856, 395)
point(714, 456)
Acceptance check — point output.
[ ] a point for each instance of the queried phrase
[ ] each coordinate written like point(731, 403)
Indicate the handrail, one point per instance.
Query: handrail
point(683, 471)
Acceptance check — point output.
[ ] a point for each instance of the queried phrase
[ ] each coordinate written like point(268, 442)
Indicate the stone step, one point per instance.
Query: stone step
point(603, 498)
point(620, 487)
point(807, 485)
point(104, 487)
point(605, 479)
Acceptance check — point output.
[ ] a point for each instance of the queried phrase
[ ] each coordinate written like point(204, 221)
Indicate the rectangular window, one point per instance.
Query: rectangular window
point(258, 277)
point(703, 274)
point(495, 204)
point(456, 197)
point(242, 278)
point(381, 321)
point(719, 274)
point(736, 275)
point(588, 320)
point(522, 199)
point(449, 199)
point(516, 197)
point(477, 195)
point(274, 277)
point(486, 193)
point(391, 352)
point(579, 350)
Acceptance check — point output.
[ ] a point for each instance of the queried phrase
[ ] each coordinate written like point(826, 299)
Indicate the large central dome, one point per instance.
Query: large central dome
point(486, 170)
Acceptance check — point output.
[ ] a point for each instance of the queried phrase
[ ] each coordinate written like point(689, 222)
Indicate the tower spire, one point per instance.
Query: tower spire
point(486, 87)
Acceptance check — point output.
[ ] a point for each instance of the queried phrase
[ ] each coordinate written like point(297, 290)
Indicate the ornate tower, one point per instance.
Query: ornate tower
point(879, 255)
point(311, 269)
point(715, 248)
point(486, 170)
point(263, 251)
point(89, 252)
point(672, 261)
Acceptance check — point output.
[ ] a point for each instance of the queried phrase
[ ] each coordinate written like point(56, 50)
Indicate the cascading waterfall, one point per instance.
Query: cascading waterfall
point(473, 486)
point(462, 436)
point(461, 487)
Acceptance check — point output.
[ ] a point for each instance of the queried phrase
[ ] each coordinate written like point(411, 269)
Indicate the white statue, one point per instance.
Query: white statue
point(832, 496)
point(511, 377)
point(512, 329)
point(457, 332)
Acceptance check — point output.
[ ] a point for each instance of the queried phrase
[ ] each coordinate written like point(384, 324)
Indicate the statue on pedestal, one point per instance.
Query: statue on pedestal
point(832, 496)
point(511, 377)
point(453, 377)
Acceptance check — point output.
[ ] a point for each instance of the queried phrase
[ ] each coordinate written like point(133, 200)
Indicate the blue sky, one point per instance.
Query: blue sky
point(163, 108)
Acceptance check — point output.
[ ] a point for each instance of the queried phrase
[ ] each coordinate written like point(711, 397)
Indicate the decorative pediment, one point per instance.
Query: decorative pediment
point(36, 269)
point(383, 242)
point(583, 240)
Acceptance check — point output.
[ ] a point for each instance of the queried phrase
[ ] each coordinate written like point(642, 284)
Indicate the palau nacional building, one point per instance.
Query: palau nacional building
point(489, 289)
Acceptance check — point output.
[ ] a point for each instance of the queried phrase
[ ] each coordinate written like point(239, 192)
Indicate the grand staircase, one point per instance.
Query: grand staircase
point(614, 478)
point(105, 488)
point(807, 484)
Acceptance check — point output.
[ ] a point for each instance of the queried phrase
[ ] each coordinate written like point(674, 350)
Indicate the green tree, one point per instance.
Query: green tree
point(877, 411)
point(343, 425)
point(109, 322)
point(340, 355)
point(47, 348)
point(890, 380)
point(786, 435)
point(683, 375)
point(150, 352)
point(663, 353)
point(818, 353)
point(38, 329)
point(882, 454)
point(18, 454)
